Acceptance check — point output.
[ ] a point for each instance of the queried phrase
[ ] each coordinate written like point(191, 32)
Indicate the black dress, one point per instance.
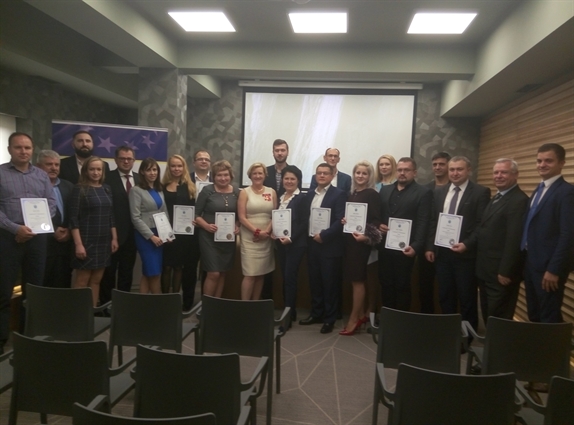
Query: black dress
point(185, 248)
point(357, 253)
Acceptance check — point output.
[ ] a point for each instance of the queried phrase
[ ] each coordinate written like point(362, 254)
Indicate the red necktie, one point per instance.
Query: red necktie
point(128, 183)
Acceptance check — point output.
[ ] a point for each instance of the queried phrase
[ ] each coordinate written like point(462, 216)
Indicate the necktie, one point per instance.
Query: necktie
point(531, 213)
point(496, 198)
point(453, 201)
point(128, 183)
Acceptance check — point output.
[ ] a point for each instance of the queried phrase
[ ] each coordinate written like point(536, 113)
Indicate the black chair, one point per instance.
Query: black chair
point(425, 397)
point(244, 327)
point(173, 385)
point(146, 319)
point(62, 313)
point(430, 341)
point(6, 372)
point(50, 376)
point(97, 413)
point(559, 408)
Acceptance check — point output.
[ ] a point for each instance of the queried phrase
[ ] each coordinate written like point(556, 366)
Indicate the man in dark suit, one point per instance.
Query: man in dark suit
point(121, 180)
point(404, 199)
point(58, 273)
point(201, 167)
point(455, 266)
point(340, 180)
point(325, 250)
point(499, 262)
point(83, 144)
point(548, 237)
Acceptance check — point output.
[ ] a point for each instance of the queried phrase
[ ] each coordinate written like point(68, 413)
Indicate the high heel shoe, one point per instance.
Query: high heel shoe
point(351, 332)
point(364, 320)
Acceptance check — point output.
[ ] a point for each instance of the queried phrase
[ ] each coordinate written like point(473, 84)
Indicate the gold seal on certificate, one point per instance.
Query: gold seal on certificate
point(183, 216)
point(399, 233)
point(320, 220)
point(281, 222)
point(225, 223)
point(448, 230)
point(164, 229)
point(356, 216)
point(36, 214)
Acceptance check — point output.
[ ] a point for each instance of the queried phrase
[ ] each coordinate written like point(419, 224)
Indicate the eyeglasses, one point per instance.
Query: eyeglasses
point(323, 173)
point(203, 159)
point(125, 159)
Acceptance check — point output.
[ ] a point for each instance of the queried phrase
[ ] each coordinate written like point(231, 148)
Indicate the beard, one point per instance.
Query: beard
point(84, 153)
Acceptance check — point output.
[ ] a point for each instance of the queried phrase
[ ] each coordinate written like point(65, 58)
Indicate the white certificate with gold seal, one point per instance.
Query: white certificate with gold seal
point(36, 214)
point(183, 216)
point(225, 223)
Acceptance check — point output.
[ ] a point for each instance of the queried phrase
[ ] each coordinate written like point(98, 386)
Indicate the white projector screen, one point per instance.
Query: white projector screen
point(362, 126)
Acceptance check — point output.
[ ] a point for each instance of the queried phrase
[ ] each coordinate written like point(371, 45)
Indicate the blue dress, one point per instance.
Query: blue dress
point(151, 255)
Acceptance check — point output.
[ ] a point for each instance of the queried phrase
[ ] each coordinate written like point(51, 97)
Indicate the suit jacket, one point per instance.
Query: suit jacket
point(272, 183)
point(142, 209)
point(550, 235)
point(343, 182)
point(471, 206)
point(498, 238)
point(333, 241)
point(124, 225)
point(414, 204)
point(299, 222)
point(69, 169)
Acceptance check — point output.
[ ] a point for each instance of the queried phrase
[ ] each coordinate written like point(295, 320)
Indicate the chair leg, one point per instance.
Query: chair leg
point(43, 418)
point(253, 413)
point(120, 355)
point(278, 363)
point(376, 397)
point(269, 391)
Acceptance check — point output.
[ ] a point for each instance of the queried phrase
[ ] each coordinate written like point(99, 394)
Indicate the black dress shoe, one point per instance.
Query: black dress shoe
point(310, 320)
point(327, 328)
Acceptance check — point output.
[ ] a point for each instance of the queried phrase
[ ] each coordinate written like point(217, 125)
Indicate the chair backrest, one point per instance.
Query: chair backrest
point(430, 341)
point(534, 351)
point(233, 326)
point(428, 397)
point(146, 319)
point(172, 385)
point(50, 376)
point(62, 313)
point(560, 403)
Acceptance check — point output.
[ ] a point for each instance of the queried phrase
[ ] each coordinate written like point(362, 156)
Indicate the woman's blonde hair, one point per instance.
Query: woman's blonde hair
point(256, 165)
point(84, 180)
point(370, 172)
point(393, 161)
point(222, 165)
point(185, 177)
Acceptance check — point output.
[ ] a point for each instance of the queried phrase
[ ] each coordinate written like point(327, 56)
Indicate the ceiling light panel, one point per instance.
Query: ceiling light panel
point(203, 21)
point(440, 23)
point(319, 22)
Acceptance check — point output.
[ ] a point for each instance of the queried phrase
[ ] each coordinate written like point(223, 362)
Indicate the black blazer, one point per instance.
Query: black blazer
point(124, 226)
point(470, 207)
point(69, 169)
point(498, 238)
point(414, 204)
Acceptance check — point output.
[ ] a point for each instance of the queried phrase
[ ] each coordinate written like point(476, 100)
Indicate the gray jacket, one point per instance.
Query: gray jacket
point(142, 209)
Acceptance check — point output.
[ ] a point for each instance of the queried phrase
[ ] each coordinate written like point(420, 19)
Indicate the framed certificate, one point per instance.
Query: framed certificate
point(281, 222)
point(225, 223)
point(201, 185)
point(448, 230)
point(36, 214)
point(320, 220)
point(164, 229)
point(356, 216)
point(183, 216)
point(399, 233)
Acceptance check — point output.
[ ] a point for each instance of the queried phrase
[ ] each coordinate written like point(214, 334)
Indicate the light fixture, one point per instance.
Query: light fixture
point(319, 22)
point(440, 23)
point(203, 21)
point(330, 85)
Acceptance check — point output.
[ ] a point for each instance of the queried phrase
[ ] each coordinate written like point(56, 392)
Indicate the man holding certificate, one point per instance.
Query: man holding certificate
point(22, 249)
point(405, 214)
point(457, 212)
point(326, 206)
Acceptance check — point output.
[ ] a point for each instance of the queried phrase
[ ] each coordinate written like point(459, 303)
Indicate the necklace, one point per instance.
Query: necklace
point(258, 190)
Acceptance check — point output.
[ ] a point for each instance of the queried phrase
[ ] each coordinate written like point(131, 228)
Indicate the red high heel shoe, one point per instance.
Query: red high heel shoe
point(351, 332)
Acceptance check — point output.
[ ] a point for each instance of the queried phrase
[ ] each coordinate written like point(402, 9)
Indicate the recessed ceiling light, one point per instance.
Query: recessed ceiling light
point(318, 22)
point(440, 23)
point(203, 21)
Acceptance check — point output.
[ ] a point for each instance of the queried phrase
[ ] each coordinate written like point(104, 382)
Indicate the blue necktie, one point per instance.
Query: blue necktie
point(59, 201)
point(453, 201)
point(531, 213)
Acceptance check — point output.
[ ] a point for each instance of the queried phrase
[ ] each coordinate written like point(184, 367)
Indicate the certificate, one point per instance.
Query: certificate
point(399, 233)
point(183, 216)
point(448, 230)
point(320, 220)
point(36, 214)
point(281, 222)
point(164, 230)
point(201, 185)
point(225, 223)
point(356, 216)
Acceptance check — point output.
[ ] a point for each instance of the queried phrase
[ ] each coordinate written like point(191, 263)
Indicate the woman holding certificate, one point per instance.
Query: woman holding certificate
point(254, 209)
point(386, 171)
point(92, 226)
point(215, 214)
point(146, 199)
point(359, 243)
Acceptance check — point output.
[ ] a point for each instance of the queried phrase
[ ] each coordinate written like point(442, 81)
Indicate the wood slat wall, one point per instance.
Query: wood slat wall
point(517, 132)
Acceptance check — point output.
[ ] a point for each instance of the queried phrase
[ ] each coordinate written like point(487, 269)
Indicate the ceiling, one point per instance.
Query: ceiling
point(97, 47)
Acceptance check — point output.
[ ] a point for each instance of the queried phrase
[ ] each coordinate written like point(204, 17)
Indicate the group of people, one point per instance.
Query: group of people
point(102, 218)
